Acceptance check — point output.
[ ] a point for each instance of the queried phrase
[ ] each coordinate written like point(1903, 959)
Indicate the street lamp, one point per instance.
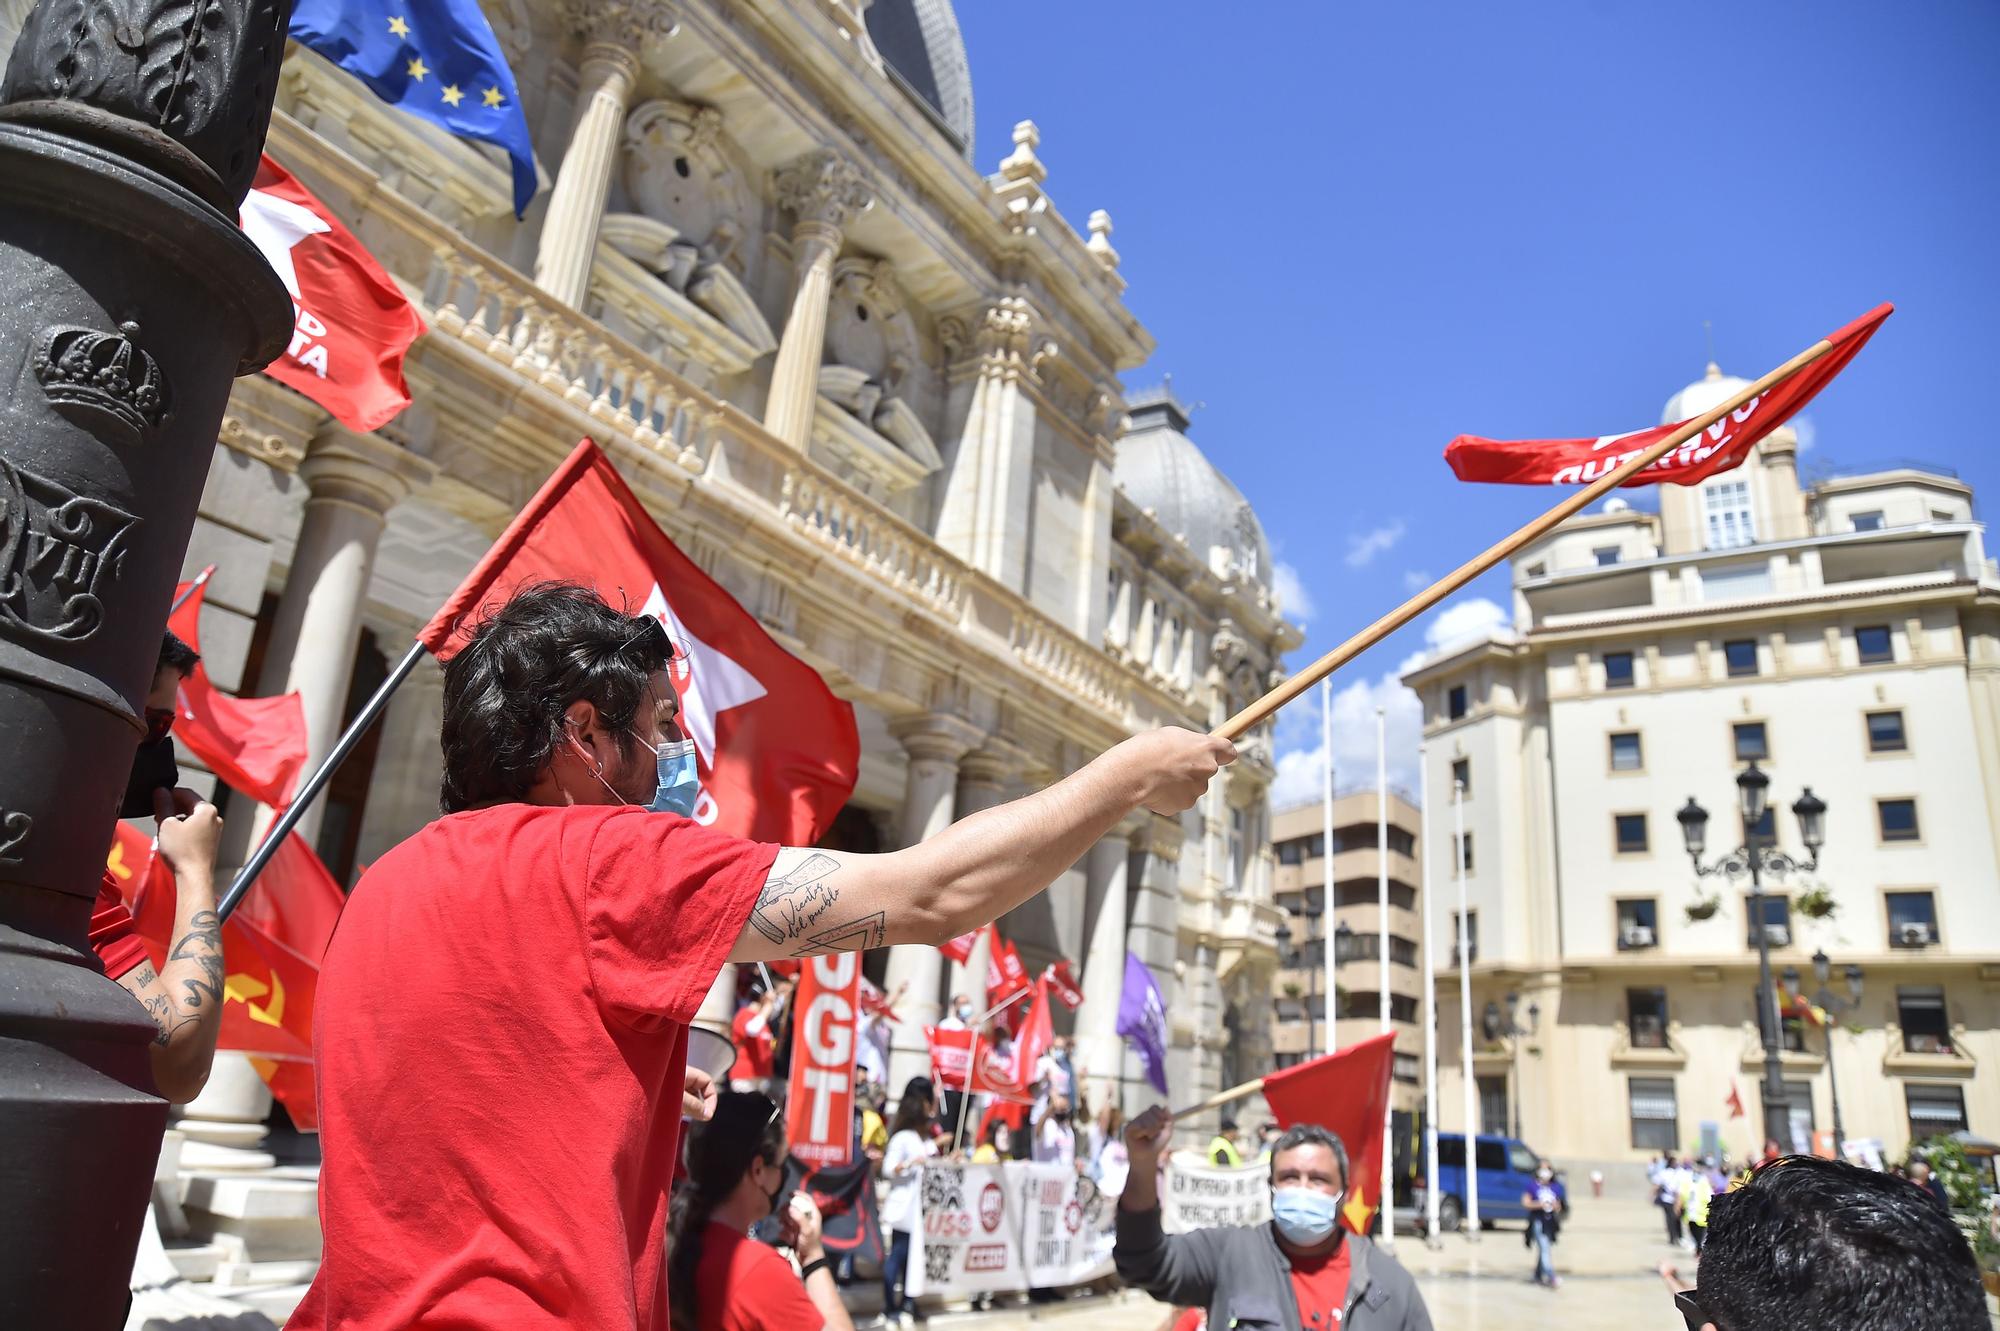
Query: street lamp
point(1495, 1026)
point(1753, 788)
point(1291, 960)
point(1833, 1006)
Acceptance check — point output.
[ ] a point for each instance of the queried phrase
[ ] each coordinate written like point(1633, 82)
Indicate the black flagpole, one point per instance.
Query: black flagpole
point(318, 780)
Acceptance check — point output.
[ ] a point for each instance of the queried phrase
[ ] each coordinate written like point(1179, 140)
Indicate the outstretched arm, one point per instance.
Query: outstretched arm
point(820, 901)
point(185, 1000)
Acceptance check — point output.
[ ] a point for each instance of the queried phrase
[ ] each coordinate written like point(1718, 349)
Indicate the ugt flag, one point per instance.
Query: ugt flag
point(436, 59)
point(1346, 1093)
point(1142, 1020)
point(1718, 448)
point(253, 745)
point(777, 752)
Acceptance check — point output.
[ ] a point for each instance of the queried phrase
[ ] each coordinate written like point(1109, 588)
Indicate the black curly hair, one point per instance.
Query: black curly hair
point(506, 691)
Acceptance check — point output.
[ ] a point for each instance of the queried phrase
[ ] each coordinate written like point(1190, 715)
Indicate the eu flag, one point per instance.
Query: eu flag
point(433, 58)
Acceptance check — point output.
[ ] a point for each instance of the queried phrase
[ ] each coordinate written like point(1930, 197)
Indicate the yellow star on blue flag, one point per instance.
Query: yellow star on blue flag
point(422, 56)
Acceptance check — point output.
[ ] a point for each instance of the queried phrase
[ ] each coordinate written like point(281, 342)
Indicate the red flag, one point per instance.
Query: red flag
point(778, 753)
point(960, 948)
point(820, 1125)
point(965, 1060)
point(1063, 983)
point(1718, 448)
point(1345, 1093)
point(146, 886)
point(1735, 1100)
point(876, 1003)
point(1006, 973)
point(351, 323)
point(255, 745)
point(1037, 1033)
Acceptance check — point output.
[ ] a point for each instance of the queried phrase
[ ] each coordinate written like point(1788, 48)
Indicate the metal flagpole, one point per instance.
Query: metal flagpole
point(1328, 961)
point(1430, 1007)
point(318, 781)
point(1471, 1161)
point(200, 581)
point(1387, 1239)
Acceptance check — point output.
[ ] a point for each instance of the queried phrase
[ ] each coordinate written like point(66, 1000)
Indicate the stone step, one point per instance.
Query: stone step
point(262, 1196)
point(232, 1278)
point(277, 1302)
point(197, 1261)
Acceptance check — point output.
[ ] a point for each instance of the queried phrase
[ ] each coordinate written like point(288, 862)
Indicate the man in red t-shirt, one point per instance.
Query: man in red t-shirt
point(184, 999)
point(502, 1013)
point(1245, 1275)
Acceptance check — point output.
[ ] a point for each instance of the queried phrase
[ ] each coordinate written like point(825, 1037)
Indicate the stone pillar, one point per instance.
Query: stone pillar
point(1093, 552)
point(934, 744)
point(982, 783)
point(409, 766)
point(984, 516)
point(822, 191)
point(1100, 1049)
point(613, 32)
point(354, 479)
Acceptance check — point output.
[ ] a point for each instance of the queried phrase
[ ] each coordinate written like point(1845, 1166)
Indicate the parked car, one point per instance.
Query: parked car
point(1505, 1167)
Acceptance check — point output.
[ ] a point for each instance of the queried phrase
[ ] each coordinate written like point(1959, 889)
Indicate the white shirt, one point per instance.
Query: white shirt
point(1055, 1144)
point(907, 1152)
point(871, 1051)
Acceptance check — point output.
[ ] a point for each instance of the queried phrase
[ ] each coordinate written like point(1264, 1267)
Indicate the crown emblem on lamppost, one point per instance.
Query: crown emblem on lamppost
point(97, 378)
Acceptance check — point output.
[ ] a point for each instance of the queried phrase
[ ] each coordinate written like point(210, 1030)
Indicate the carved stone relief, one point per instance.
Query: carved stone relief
point(677, 170)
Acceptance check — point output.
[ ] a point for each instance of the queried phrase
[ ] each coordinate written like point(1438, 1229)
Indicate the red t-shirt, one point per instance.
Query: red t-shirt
point(741, 1285)
point(500, 1032)
point(755, 1050)
point(117, 943)
point(1320, 1286)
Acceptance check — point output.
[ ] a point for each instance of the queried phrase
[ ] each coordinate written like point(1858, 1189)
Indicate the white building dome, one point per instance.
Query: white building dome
point(1161, 469)
point(1712, 389)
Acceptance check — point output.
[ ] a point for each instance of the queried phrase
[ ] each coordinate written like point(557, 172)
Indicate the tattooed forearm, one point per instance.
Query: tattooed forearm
point(854, 936)
point(202, 945)
point(795, 901)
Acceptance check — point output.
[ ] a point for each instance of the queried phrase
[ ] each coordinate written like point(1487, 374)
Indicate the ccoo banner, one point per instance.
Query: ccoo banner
point(1067, 1224)
point(821, 1121)
point(1203, 1196)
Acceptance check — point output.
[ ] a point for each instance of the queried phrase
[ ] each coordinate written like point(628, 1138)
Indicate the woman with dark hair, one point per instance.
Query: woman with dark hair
point(910, 1144)
point(721, 1279)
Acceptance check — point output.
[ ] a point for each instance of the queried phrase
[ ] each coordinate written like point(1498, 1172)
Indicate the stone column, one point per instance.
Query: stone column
point(354, 479)
point(409, 766)
point(982, 783)
point(984, 516)
point(934, 744)
point(1100, 1049)
point(822, 191)
point(613, 32)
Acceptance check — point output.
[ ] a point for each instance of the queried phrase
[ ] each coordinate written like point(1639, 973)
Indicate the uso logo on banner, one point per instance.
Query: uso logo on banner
point(821, 1122)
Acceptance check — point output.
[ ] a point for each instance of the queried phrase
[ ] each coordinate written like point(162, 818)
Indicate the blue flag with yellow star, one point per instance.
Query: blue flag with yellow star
point(433, 58)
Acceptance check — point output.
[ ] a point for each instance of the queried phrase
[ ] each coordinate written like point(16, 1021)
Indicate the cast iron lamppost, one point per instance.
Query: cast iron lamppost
point(129, 300)
point(1753, 789)
point(1292, 960)
point(1495, 1026)
point(1825, 1000)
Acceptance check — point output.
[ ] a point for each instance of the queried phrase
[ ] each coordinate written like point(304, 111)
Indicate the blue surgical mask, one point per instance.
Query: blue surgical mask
point(1305, 1216)
point(680, 783)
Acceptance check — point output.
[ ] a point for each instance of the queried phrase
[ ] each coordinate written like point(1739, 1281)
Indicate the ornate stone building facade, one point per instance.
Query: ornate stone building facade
point(875, 392)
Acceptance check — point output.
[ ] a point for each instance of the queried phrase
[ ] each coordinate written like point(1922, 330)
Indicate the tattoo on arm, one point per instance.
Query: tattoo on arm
point(796, 900)
point(143, 983)
point(854, 936)
point(201, 944)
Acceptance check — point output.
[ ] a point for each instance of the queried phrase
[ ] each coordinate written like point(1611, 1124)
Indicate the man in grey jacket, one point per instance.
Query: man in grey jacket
point(1301, 1271)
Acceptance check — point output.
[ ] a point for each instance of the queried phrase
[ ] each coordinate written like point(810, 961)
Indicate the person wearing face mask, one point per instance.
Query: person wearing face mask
point(185, 999)
point(501, 1019)
point(722, 1279)
point(1301, 1272)
point(958, 1016)
point(1544, 1206)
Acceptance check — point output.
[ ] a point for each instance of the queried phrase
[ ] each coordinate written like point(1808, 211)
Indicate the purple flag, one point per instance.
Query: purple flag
point(1142, 1019)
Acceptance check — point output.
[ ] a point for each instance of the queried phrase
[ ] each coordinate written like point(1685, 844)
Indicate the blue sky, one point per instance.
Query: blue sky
point(1360, 229)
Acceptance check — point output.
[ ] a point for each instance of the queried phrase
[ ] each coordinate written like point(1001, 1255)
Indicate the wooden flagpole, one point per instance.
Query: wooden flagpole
point(1257, 711)
point(1220, 1098)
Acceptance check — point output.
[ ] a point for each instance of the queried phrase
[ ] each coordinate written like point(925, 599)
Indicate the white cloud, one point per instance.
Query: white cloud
point(1463, 621)
point(1293, 597)
point(1808, 434)
point(1300, 767)
point(1362, 549)
point(1415, 579)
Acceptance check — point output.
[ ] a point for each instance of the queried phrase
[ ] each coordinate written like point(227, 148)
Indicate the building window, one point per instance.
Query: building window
point(1492, 1120)
point(1920, 1012)
point(1291, 852)
point(1407, 1069)
point(1646, 1017)
point(1618, 670)
point(1777, 920)
point(1471, 939)
point(1629, 830)
point(1367, 892)
point(1751, 744)
point(1912, 919)
point(1454, 702)
point(1284, 1060)
point(1799, 1109)
point(1874, 645)
point(1727, 507)
point(1655, 1117)
point(1465, 852)
point(1935, 1111)
point(1740, 654)
point(1868, 521)
point(1607, 555)
point(1885, 733)
point(1638, 924)
point(1461, 776)
point(1898, 819)
point(1941, 515)
point(1627, 754)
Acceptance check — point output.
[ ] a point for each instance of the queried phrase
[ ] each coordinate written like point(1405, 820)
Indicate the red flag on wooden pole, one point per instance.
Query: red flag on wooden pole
point(1345, 1093)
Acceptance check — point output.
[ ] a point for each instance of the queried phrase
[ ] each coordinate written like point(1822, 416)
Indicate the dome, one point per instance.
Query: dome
point(920, 42)
point(1161, 469)
point(1711, 390)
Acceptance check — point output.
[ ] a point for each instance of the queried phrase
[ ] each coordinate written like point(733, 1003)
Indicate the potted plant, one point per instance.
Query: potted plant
point(1815, 903)
point(1703, 908)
